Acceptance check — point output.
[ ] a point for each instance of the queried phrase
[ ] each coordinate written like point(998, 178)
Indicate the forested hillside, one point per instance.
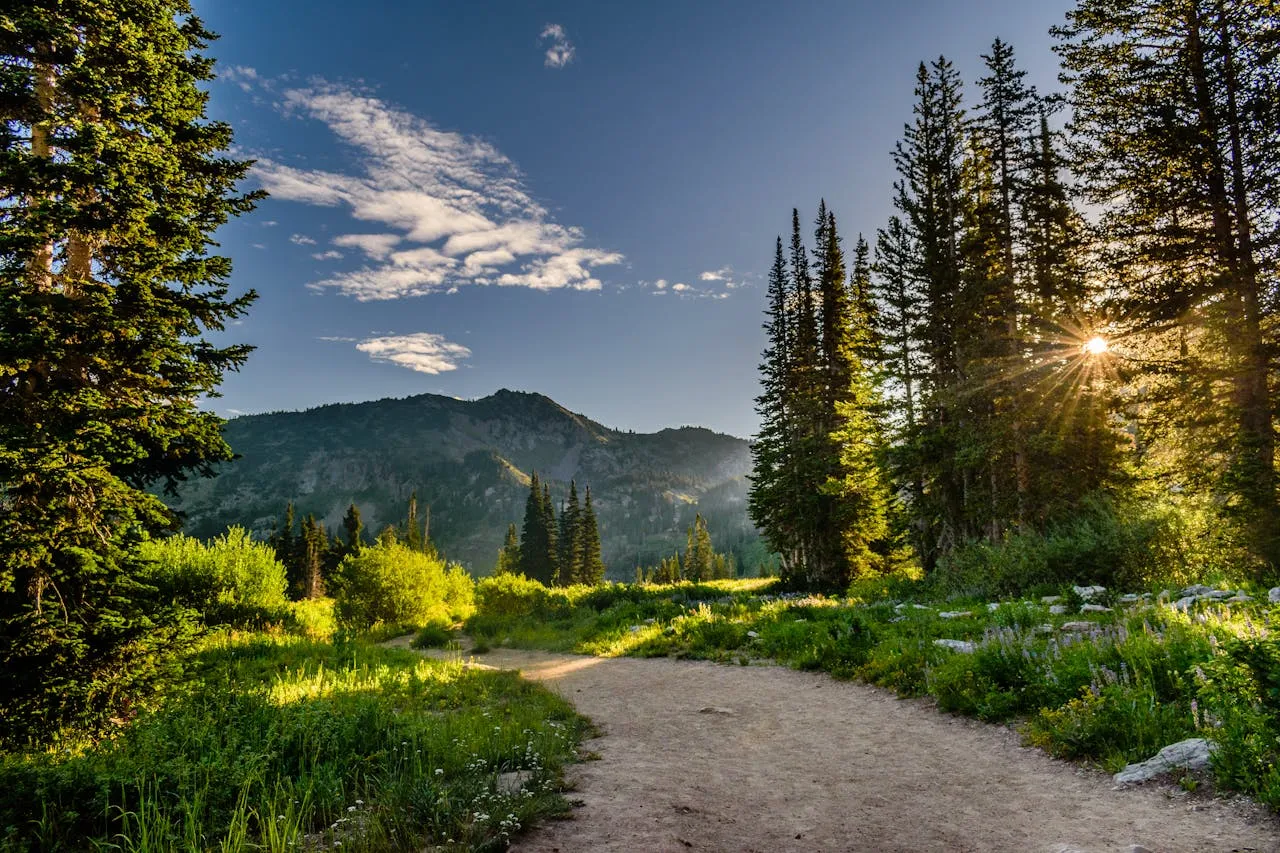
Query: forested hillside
point(469, 462)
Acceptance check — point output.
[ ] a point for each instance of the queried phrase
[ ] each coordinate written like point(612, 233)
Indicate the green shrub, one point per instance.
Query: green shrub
point(1130, 546)
point(433, 635)
point(510, 596)
point(230, 580)
point(1239, 703)
point(391, 585)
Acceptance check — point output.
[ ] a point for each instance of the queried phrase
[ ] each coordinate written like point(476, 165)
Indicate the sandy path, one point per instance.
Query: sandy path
point(798, 761)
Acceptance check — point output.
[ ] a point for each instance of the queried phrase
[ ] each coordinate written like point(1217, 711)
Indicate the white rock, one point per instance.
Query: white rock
point(1240, 596)
point(1050, 599)
point(955, 614)
point(1078, 627)
point(636, 629)
point(1190, 754)
point(1089, 593)
point(1197, 589)
point(993, 605)
point(511, 783)
point(1094, 608)
point(1130, 598)
point(1274, 595)
point(1046, 628)
point(962, 646)
point(753, 634)
point(1057, 610)
point(919, 607)
point(1219, 594)
point(1184, 604)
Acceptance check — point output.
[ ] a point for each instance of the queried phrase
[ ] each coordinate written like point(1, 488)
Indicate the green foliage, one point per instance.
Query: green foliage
point(1239, 703)
point(231, 580)
point(433, 635)
point(390, 584)
point(1134, 545)
point(114, 181)
point(276, 739)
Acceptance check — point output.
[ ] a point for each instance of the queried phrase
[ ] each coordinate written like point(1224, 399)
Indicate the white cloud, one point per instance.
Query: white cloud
point(722, 274)
point(459, 202)
point(680, 287)
point(270, 223)
point(376, 246)
point(661, 284)
point(423, 352)
point(560, 51)
point(330, 255)
point(301, 240)
point(336, 339)
point(242, 75)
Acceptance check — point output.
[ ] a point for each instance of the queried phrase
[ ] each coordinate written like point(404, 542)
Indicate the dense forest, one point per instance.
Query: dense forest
point(1066, 324)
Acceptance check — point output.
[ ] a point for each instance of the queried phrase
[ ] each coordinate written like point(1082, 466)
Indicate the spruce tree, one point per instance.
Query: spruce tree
point(114, 182)
point(552, 559)
point(537, 548)
point(412, 532)
point(699, 554)
point(354, 527)
point(509, 555)
point(1173, 115)
point(592, 570)
point(569, 549)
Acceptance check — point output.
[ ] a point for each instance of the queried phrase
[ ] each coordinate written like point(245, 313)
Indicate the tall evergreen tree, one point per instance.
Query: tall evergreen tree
point(537, 547)
point(113, 184)
point(313, 554)
point(699, 555)
point(569, 568)
point(412, 532)
point(509, 555)
point(592, 570)
point(354, 527)
point(1173, 111)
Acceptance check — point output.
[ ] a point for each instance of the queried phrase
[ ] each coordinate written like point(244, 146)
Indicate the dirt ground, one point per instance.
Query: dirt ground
point(706, 757)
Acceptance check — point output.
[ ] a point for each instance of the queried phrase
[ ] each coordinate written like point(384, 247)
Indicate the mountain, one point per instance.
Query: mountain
point(470, 462)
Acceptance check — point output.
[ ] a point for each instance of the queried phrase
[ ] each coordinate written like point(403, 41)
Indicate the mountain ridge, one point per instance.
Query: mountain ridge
point(470, 461)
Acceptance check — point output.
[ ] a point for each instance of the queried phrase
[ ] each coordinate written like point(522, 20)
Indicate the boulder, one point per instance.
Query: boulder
point(1240, 596)
point(1197, 589)
point(1057, 610)
point(1130, 598)
point(1184, 604)
point(962, 646)
point(993, 606)
point(1094, 608)
point(1078, 627)
point(1274, 595)
point(955, 614)
point(1089, 593)
point(1190, 754)
point(1050, 599)
point(1219, 594)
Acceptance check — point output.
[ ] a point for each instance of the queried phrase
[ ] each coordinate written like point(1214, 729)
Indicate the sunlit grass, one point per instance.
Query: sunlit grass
point(281, 743)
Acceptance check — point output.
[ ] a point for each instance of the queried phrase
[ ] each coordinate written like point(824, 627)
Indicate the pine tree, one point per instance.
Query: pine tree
point(354, 528)
point(314, 551)
point(412, 532)
point(537, 548)
point(509, 555)
point(553, 544)
point(699, 554)
point(1173, 111)
point(592, 570)
point(569, 549)
point(114, 182)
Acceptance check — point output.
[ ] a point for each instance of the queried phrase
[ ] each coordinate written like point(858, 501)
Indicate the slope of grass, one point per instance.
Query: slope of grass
point(285, 744)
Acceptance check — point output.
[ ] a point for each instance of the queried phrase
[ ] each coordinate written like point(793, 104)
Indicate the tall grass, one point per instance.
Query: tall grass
point(281, 743)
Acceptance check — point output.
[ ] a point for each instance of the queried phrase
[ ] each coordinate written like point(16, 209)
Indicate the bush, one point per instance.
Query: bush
point(434, 635)
point(1129, 546)
point(1240, 700)
point(230, 580)
point(393, 585)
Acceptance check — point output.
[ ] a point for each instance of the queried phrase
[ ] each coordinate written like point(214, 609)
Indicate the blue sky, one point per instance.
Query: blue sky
point(575, 198)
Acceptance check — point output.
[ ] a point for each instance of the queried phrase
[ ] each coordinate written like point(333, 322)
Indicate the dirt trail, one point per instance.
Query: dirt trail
point(700, 756)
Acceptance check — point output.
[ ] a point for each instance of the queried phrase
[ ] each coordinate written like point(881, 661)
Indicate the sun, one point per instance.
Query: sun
point(1096, 345)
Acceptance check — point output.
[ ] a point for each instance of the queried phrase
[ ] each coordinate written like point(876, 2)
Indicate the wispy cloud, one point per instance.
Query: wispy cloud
point(459, 208)
point(301, 240)
point(559, 49)
point(330, 255)
point(423, 352)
